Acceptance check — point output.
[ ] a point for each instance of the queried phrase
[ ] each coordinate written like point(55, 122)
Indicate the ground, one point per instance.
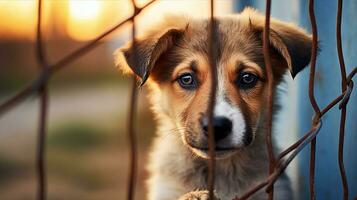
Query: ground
point(87, 151)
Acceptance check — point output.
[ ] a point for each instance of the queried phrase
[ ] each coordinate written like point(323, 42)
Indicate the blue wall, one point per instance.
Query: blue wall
point(328, 86)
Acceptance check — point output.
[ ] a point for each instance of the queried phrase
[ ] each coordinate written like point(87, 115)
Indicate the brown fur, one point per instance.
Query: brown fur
point(181, 45)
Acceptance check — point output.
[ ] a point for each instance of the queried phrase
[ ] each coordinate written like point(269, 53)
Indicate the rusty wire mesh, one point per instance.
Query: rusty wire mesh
point(277, 164)
point(212, 62)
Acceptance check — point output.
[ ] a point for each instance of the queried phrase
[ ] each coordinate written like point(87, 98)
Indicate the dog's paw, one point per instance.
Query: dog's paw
point(197, 195)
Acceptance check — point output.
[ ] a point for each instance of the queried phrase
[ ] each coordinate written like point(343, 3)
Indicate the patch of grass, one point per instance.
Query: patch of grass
point(76, 136)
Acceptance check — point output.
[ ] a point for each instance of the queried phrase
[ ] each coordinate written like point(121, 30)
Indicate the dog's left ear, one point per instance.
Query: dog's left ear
point(140, 57)
point(292, 43)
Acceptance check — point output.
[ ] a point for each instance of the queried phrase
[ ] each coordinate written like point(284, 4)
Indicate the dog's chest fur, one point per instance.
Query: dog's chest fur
point(175, 170)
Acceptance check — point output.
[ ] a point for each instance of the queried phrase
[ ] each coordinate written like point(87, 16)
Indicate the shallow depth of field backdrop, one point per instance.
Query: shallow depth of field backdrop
point(87, 150)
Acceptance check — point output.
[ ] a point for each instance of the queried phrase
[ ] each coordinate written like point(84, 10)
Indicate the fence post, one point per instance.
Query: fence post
point(328, 183)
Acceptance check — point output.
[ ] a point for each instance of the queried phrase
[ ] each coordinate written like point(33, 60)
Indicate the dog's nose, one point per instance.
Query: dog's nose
point(222, 127)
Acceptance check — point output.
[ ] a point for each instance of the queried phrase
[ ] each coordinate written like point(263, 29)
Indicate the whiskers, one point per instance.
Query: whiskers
point(177, 131)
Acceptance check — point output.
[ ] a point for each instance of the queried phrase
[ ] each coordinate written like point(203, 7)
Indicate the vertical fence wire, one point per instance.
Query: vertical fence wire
point(131, 120)
point(211, 142)
point(312, 97)
point(43, 92)
point(132, 142)
point(343, 109)
point(270, 78)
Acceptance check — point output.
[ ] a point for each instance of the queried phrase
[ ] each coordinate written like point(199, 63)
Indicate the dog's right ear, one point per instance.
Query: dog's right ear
point(292, 43)
point(140, 56)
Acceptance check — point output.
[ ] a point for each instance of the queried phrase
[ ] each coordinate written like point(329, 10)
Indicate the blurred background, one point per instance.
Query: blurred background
point(87, 151)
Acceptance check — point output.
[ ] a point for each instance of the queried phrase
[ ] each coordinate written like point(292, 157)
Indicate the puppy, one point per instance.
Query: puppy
point(173, 59)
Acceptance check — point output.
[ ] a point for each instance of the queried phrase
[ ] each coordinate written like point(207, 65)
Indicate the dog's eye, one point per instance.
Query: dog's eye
point(187, 81)
point(247, 80)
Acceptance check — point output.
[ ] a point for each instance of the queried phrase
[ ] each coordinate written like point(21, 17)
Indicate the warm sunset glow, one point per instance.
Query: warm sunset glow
point(17, 19)
point(84, 10)
point(89, 18)
point(85, 19)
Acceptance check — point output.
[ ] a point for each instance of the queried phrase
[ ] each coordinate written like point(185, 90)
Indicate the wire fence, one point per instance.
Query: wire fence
point(277, 164)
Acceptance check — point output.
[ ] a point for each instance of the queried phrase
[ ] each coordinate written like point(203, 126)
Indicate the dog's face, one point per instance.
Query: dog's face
point(175, 60)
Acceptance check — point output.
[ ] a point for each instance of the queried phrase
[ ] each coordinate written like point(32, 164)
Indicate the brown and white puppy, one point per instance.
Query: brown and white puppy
point(174, 60)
